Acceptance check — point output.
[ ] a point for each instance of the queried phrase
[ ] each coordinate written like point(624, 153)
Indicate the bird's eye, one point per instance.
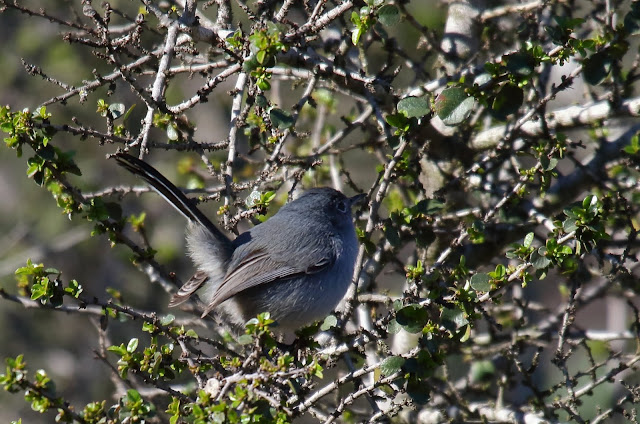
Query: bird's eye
point(342, 206)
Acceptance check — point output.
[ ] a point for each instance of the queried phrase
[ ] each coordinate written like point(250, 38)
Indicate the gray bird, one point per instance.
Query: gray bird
point(297, 265)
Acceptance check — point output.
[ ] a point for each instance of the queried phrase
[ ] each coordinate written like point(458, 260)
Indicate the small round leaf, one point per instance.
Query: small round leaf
point(412, 318)
point(245, 339)
point(117, 110)
point(414, 107)
point(480, 282)
point(132, 345)
point(388, 15)
point(329, 322)
point(172, 132)
point(281, 119)
point(453, 316)
point(167, 319)
point(391, 365)
point(453, 105)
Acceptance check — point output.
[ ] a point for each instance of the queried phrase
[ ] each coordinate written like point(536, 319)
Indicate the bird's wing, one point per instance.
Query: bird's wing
point(258, 267)
point(188, 288)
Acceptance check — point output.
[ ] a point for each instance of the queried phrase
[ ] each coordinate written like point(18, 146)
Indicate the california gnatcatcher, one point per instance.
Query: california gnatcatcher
point(297, 265)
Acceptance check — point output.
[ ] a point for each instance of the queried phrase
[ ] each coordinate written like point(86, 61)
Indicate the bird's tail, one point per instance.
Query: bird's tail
point(170, 193)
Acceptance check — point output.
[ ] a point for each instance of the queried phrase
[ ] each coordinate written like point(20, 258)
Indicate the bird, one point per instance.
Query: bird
point(296, 265)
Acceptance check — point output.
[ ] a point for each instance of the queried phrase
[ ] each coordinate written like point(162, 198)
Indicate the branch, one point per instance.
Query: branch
point(565, 118)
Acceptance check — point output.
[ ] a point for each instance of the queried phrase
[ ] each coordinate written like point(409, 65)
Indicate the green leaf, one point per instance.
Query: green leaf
point(507, 101)
point(250, 63)
point(569, 225)
point(128, 112)
point(427, 207)
point(548, 164)
point(539, 261)
point(74, 289)
point(133, 396)
point(172, 132)
point(393, 327)
point(412, 318)
point(590, 201)
point(263, 84)
point(167, 319)
point(414, 107)
point(418, 392)
point(260, 56)
point(329, 322)
point(482, 371)
point(47, 152)
point(355, 35)
point(596, 68)
point(6, 126)
point(480, 282)
point(245, 339)
point(40, 289)
point(499, 273)
point(388, 15)
point(281, 119)
point(634, 145)
point(466, 334)
point(397, 120)
point(520, 63)
point(133, 345)
point(391, 365)
point(454, 316)
point(117, 110)
point(453, 105)
point(391, 234)
point(120, 350)
point(567, 22)
point(261, 101)
point(267, 197)
point(528, 239)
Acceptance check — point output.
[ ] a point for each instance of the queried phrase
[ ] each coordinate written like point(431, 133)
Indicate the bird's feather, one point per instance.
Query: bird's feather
point(188, 288)
point(258, 267)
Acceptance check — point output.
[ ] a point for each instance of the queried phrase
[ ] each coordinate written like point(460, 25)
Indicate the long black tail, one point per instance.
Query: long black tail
point(169, 192)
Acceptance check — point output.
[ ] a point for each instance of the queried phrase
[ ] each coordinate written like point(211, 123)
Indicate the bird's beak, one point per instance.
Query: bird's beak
point(356, 199)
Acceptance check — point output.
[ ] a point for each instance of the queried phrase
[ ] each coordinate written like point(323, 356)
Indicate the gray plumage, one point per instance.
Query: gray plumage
point(297, 265)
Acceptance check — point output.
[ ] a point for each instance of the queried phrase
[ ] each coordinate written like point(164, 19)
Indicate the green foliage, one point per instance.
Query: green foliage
point(133, 407)
point(154, 362)
point(40, 392)
point(586, 219)
point(176, 130)
point(45, 285)
point(264, 45)
point(48, 163)
point(366, 18)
